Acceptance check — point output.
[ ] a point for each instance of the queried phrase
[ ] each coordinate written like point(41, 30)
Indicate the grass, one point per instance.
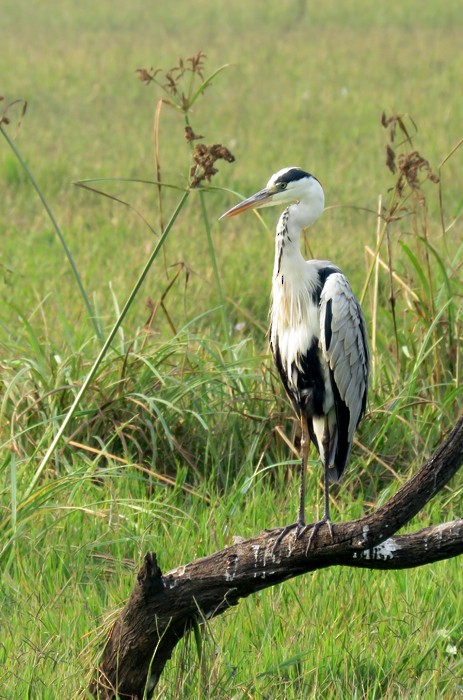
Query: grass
point(175, 445)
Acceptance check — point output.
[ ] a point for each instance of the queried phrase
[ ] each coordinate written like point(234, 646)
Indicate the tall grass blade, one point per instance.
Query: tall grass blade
point(417, 267)
point(59, 233)
point(106, 345)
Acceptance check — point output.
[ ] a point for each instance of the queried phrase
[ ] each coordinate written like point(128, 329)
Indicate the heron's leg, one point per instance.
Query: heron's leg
point(300, 525)
point(326, 513)
point(305, 444)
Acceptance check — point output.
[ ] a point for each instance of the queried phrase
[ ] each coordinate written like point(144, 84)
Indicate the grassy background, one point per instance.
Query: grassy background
point(307, 86)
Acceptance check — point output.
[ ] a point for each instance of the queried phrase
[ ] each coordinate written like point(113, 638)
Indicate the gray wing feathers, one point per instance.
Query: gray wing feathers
point(345, 348)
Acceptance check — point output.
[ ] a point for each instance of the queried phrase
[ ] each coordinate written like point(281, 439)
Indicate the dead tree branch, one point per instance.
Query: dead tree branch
point(161, 609)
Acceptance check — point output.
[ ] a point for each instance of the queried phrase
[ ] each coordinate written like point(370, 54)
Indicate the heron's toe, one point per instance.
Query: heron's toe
point(315, 529)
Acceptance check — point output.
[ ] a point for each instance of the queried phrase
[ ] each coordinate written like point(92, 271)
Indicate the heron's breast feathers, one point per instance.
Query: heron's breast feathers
point(295, 321)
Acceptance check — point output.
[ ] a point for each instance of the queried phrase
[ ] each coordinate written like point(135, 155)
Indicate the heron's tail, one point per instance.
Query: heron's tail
point(335, 472)
point(338, 449)
point(339, 460)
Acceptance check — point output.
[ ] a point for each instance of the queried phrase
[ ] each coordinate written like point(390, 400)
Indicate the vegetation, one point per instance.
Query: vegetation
point(141, 337)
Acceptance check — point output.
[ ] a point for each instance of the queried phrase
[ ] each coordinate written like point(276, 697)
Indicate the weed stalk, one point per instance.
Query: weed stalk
point(182, 99)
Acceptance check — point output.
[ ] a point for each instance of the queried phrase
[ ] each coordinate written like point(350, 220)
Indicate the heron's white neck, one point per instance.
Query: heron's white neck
point(287, 242)
point(294, 282)
point(303, 213)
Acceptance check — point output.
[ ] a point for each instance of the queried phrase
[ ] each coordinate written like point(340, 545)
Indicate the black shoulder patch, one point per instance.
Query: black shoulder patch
point(323, 275)
point(328, 320)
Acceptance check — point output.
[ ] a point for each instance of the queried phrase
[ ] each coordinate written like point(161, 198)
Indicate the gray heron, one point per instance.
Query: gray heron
point(317, 335)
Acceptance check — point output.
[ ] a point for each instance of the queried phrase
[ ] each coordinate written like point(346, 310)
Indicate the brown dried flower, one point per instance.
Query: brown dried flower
point(390, 159)
point(204, 159)
point(410, 166)
point(190, 135)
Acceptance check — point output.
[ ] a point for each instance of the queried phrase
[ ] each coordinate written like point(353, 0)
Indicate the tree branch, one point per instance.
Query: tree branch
point(161, 609)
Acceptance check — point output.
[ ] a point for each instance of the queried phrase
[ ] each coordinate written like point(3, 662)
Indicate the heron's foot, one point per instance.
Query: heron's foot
point(315, 528)
point(299, 528)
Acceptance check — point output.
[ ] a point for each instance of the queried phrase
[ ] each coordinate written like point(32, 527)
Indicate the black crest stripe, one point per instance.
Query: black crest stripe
point(292, 175)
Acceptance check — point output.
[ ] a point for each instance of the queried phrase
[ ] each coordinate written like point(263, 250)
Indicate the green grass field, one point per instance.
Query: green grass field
point(176, 446)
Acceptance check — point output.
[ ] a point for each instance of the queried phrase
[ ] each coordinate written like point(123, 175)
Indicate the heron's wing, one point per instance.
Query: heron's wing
point(343, 341)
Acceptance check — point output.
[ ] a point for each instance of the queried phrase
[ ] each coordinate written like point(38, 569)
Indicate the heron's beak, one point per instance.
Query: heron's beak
point(260, 199)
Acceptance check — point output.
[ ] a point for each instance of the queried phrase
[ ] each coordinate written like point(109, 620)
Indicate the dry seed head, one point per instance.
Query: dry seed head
point(147, 75)
point(390, 159)
point(410, 166)
point(190, 135)
point(204, 158)
point(197, 63)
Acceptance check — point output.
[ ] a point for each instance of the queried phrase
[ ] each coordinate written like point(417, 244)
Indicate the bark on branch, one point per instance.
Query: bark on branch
point(161, 609)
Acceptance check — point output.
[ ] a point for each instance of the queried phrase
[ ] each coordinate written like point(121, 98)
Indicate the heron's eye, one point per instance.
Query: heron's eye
point(283, 185)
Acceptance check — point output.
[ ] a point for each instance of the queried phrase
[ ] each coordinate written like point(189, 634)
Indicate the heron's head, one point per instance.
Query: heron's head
point(287, 186)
